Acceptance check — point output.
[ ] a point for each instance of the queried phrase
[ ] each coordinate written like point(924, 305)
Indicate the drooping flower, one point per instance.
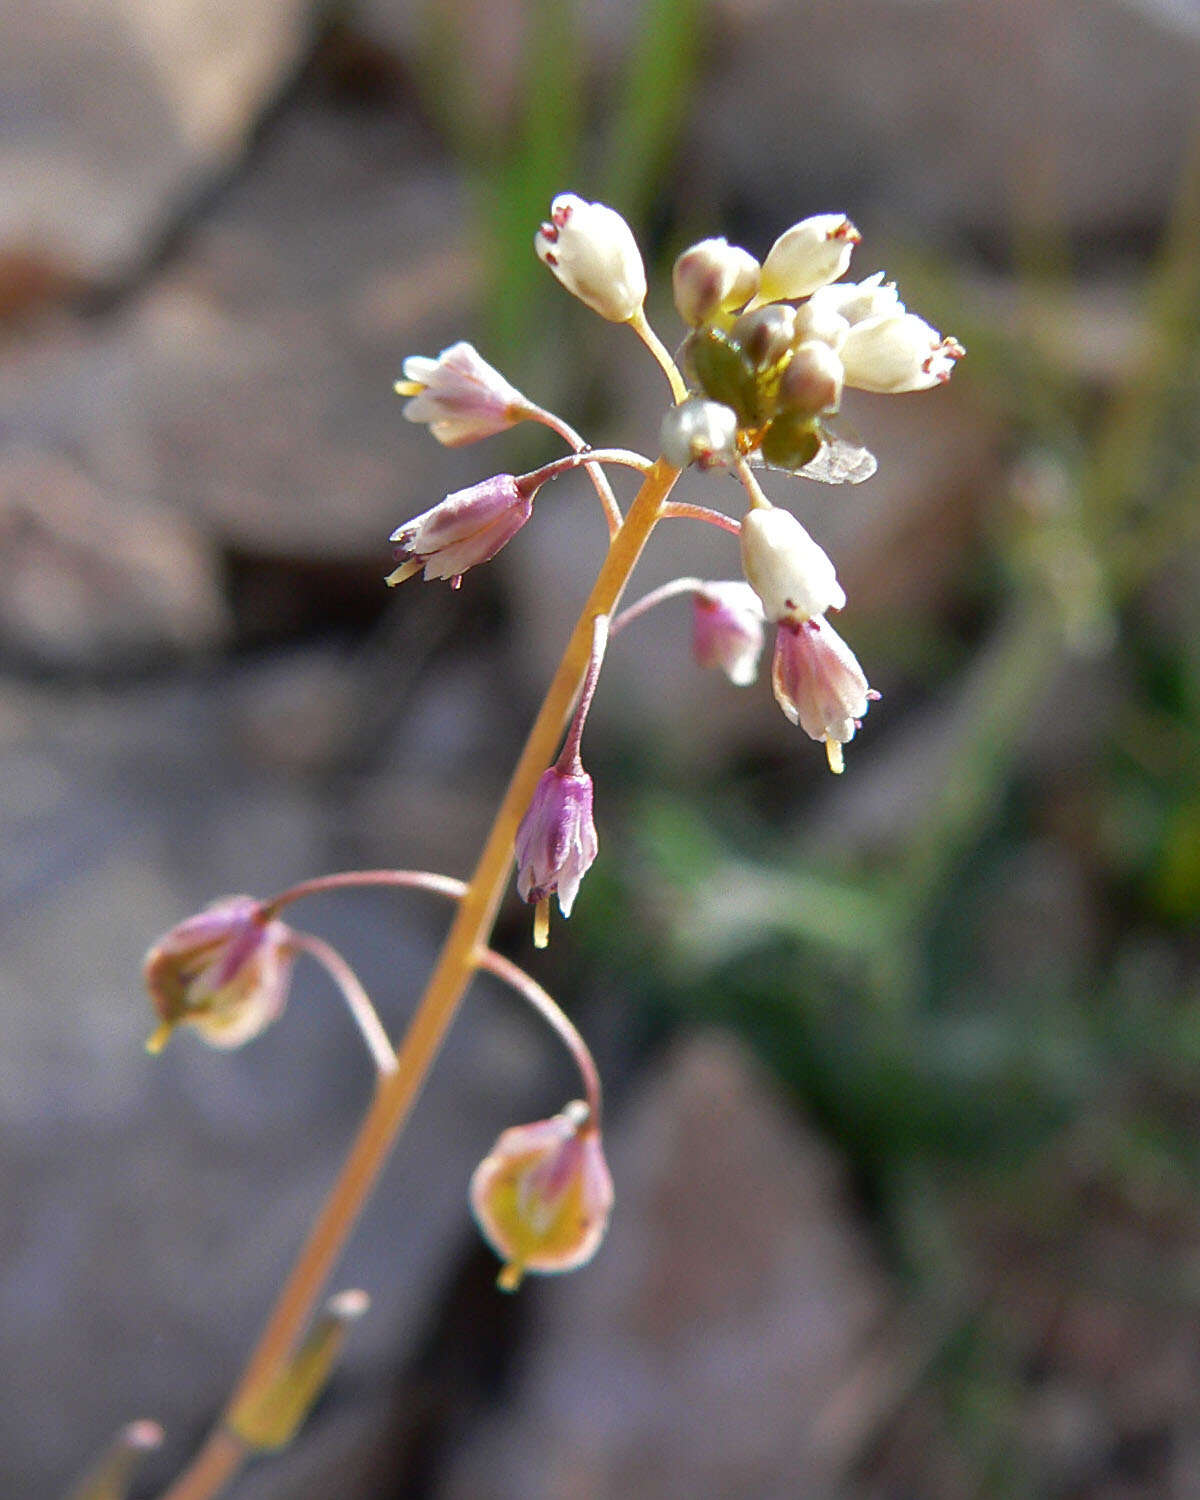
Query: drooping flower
point(459, 395)
point(700, 432)
point(897, 352)
point(224, 971)
point(468, 527)
point(556, 843)
point(807, 256)
point(727, 630)
point(788, 571)
point(712, 278)
point(592, 251)
point(543, 1195)
point(819, 684)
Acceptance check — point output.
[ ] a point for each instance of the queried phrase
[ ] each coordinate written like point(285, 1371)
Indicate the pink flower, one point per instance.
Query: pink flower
point(543, 1195)
point(727, 630)
point(460, 395)
point(224, 971)
point(819, 684)
point(468, 527)
point(556, 842)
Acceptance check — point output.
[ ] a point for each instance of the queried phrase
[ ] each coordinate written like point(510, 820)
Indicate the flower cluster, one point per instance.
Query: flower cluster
point(768, 352)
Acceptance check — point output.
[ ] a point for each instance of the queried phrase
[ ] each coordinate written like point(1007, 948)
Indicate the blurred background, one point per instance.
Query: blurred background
point(904, 1067)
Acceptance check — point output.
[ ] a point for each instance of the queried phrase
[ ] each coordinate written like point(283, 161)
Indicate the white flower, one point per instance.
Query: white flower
point(819, 684)
point(900, 352)
point(856, 301)
point(807, 256)
point(713, 277)
point(788, 571)
point(699, 431)
point(460, 395)
point(592, 251)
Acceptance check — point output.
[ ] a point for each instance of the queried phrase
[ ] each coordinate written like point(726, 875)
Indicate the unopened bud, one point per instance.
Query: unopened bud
point(808, 255)
point(727, 630)
point(788, 571)
point(592, 251)
point(543, 1195)
point(765, 335)
point(723, 372)
point(459, 395)
point(699, 431)
point(812, 382)
point(224, 971)
point(791, 441)
point(712, 278)
point(468, 527)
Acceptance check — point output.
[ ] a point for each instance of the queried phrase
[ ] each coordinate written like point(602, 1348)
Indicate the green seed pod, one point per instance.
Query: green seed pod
point(724, 374)
point(791, 441)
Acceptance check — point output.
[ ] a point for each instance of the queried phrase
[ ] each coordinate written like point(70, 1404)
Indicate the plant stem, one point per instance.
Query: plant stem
point(684, 510)
point(550, 419)
point(670, 369)
point(358, 1002)
point(221, 1455)
point(421, 880)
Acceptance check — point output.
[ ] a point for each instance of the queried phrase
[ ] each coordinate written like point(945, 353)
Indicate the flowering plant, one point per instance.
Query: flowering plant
point(768, 352)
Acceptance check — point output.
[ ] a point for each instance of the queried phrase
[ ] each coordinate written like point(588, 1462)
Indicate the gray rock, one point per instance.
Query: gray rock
point(705, 1349)
point(116, 112)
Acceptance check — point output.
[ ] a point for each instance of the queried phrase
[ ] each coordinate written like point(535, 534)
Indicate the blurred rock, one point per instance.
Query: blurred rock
point(249, 387)
point(115, 112)
point(705, 1349)
point(97, 581)
point(950, 117)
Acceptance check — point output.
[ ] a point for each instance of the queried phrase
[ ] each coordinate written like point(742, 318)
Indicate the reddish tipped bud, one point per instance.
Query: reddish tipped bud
point(592, 251)
point(809, 255)
point(819, 684)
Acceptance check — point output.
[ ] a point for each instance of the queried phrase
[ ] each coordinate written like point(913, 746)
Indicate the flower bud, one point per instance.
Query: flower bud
point(765, 335)
point(819, 684)
point(723, 372)
point(592, 251)
point(543, 1195)
point(788, 571)
point(812, 382)
point(460, 395)
point(698, 431)
point(556, 842)
point(468, 527)
point(712, 278)
point(727, 630)
point(224, 971)
point(808, 255)
point(818, 320)
point(900, 352)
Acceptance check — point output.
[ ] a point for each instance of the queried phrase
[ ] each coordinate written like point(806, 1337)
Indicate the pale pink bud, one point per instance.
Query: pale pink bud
point(812, 383)
point(699, 431)
point(224, 971)
point(817, 320)
point(592, 251)
point(543, 1195)
point(556, 842)
point(459, 395)
point(808, 255)
point(819, 684)
point(468, 527)
point(727, 630)
point(711, 278)
point(899, 352)
point(788, 571)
